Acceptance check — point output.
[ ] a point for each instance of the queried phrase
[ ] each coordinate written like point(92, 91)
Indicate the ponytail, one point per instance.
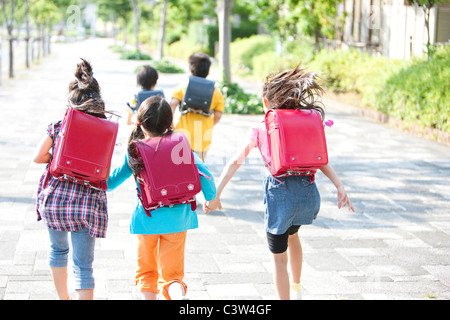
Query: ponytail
point(84, 91)
point(84, 86)
point(134, 161)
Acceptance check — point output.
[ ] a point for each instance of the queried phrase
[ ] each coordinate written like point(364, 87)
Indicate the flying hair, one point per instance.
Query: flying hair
point(294, 89)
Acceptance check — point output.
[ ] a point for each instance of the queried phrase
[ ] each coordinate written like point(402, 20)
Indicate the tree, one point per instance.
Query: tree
point(113, 10)
point(8, 7)
point(426, 6)
point(292, 19)
point(223, 13)
point(162, 29)
point(136, 5)
point(44, 13)
point(62, 7)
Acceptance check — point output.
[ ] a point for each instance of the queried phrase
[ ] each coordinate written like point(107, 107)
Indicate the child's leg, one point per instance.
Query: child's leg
point(147, 266)
point(281, 276)
point(83, 258)
point(58, 258)
point(171, 263)
point(59, 276)
point(278, 245)
point(295, 257)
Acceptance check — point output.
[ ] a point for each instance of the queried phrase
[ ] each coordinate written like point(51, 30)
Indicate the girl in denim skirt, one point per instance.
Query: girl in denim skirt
point(290, 201)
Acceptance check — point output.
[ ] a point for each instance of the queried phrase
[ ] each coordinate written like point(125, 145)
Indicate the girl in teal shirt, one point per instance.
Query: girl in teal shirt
point(161, 237)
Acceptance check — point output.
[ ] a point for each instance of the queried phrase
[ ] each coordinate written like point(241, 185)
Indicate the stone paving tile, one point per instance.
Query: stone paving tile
point(397, 245)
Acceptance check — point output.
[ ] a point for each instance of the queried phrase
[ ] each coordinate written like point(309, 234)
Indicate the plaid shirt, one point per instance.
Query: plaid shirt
point(68, 206)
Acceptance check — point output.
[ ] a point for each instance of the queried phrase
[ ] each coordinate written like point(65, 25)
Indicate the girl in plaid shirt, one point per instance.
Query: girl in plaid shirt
point(65, 206)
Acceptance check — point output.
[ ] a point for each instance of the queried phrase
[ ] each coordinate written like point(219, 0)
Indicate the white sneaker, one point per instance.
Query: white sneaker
point(176, 291)
point(296, 291)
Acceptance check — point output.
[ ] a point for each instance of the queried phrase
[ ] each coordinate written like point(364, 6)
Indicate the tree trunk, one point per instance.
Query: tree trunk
point(223, 11)
point(9, 26)
point(0, 61)
point(137, 17)
point(11, 55)
point(27, 37)
point(162, 30)
point(427, 11)
point(124, 33)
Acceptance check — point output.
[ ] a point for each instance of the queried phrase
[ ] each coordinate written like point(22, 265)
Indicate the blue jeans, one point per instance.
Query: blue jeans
point(83, 255)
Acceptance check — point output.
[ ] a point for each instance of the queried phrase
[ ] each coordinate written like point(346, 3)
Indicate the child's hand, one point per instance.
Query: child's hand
point(343, 199)
point(212, 205)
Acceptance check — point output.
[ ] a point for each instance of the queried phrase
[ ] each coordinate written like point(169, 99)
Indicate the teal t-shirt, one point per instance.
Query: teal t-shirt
point(164, 220)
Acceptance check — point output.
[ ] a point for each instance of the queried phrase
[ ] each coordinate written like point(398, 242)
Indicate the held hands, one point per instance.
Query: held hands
point(212, 205)
point(343, 199)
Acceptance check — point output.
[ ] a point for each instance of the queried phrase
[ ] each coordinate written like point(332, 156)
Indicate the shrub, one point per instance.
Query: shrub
point(134, 55)
point(166, 66)
point(163, 66)
point(419, 92)
point(244, 50)
point(238, 101)
point(413, 90)
point(183, 48)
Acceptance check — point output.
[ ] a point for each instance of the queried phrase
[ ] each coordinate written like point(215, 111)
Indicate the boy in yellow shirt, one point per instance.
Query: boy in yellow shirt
point(198, 127)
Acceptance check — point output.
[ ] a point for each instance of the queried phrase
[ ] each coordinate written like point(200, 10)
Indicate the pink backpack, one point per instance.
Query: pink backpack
point(296, 140)
point(170, 175)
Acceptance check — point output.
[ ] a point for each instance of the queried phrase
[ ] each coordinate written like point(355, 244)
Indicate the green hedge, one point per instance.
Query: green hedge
point(414, 90)
point(420, 92)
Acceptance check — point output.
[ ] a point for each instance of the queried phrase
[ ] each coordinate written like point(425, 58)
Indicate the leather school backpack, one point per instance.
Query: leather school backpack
point(296, 140)
point(144, 94)
point(84, 149)
point(198, 96)
point(169, 175)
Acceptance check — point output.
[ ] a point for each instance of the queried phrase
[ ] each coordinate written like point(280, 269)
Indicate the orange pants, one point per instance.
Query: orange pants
point(160, 261)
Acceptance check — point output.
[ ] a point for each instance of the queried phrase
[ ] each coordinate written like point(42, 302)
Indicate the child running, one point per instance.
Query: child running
point(291, 89)
point(161, 237)
point(197, 127)
point(146, 79)
point(67, 207)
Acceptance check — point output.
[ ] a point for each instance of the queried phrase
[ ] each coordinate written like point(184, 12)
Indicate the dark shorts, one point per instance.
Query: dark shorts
point(278, 243)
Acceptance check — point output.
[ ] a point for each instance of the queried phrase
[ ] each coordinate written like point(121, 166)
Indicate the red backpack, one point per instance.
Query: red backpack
point(84, 149)
point(296, 140)
point(170, 175)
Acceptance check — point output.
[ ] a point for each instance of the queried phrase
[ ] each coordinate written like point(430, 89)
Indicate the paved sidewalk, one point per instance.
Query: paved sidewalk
point(396, 246)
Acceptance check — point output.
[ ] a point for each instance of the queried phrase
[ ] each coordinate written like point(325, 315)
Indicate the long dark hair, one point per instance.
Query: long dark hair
point(294, 89)
point(84, 91)
point(155, 116)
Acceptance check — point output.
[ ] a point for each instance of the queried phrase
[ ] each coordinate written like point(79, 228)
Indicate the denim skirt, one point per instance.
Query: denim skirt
point(291, 201)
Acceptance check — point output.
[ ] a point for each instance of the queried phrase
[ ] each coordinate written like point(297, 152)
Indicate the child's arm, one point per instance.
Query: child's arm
point(232, 166)
point(227, 173)
point(174, 104)
point(343, 199)
point(216, 116)
point(42, 153)
point(212, 205)
point(119, 175)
